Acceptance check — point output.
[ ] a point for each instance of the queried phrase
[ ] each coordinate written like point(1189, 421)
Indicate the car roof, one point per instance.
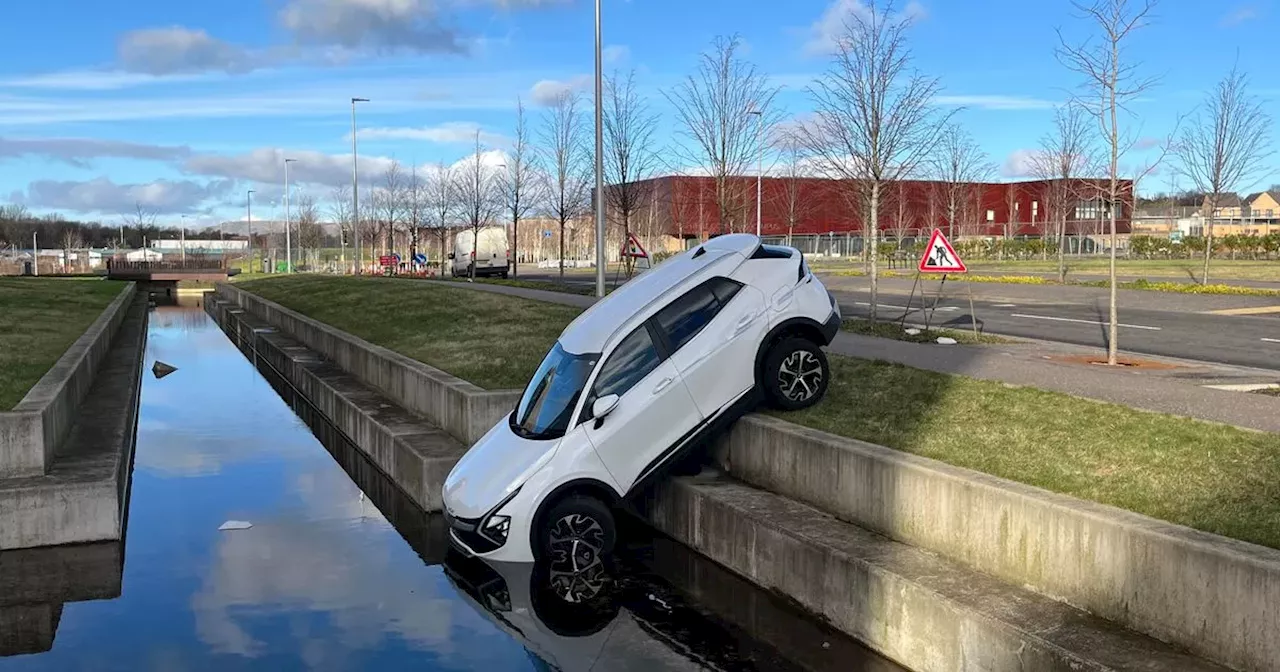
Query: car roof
point(631, 303)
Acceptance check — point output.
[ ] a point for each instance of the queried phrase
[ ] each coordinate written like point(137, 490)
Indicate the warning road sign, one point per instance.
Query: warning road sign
point(940, 257)
point(632, 248)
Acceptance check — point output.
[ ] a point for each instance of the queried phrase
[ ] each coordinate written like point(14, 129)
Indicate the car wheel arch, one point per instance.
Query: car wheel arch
point(588, 487)
point(801, 327)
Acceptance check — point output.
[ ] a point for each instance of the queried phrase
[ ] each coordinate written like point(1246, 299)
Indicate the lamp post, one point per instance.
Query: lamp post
point(248, 209)
point(288, 230)
point(759, 166)
point(355, 184)
point(600, 258)
point(182, 238)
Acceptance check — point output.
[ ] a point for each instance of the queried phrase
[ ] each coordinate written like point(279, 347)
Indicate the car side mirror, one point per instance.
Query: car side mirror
point(603, 407)
point(451, 255)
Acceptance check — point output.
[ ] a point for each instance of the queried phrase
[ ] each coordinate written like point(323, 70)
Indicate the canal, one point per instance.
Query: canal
point(258, 538)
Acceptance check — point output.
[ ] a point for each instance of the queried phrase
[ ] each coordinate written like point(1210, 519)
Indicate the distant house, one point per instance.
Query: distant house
point(1263, 205)
point(1227, 206)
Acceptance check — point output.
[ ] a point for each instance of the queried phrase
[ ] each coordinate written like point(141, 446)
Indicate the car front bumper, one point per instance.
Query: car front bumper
point(832, 326)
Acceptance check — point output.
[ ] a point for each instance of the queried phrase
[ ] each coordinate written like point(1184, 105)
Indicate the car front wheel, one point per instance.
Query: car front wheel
point(579, 532)
point(796, 374)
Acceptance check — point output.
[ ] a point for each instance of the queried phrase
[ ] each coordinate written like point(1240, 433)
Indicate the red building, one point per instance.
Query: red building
point(687, 207)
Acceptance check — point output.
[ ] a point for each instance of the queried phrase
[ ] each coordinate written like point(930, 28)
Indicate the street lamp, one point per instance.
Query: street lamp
point(182, 238)
point(355, 183)
point(288, 231)
point(759, 166)
point(600, 259)
point(248, 209)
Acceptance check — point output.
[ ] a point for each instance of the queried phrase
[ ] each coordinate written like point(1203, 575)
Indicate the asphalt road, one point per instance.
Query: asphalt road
point(1153, 323)
point(1241, 340)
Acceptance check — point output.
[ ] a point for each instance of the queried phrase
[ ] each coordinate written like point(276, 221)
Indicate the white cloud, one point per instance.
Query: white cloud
point(1020, 163)
point(455, 132)
point(376, 25)
point(95, 80)
point(104, 196)
point(267, 166)
point(996, 102)
point(164, 51)
point(1239, 15)
point(547, 91)
point(828, 32)
point(79, 151)
point(615, 53)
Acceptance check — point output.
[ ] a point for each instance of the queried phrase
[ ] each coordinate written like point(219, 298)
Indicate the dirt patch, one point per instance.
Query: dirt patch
point(1128, 362)
point(1270, 391)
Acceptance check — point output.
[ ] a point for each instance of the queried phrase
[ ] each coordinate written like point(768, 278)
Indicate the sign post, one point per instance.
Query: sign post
point(940, 257)
point(632, 249)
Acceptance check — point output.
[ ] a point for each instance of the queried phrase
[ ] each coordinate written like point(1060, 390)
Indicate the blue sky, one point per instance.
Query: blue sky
point(184, 106)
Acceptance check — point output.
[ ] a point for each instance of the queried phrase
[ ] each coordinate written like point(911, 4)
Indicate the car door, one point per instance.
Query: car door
point(654, 410)
point(713, 332)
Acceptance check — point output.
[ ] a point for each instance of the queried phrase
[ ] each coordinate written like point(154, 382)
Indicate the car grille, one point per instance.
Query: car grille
point(465, 529)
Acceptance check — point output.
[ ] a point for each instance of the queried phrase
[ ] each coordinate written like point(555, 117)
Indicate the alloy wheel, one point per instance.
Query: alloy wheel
point(578, 541)
point(800, 376)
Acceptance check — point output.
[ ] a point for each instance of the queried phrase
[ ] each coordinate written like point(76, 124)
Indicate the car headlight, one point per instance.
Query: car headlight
point(495, 528)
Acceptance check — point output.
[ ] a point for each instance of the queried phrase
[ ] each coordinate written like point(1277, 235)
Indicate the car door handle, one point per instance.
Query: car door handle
point(662, 385)
point(743, 324)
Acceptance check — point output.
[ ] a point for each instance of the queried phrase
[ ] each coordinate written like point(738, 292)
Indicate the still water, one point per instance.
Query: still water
point(331, 568)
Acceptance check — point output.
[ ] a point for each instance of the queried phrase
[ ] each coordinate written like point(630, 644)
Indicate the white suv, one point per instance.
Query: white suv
point(634, 383)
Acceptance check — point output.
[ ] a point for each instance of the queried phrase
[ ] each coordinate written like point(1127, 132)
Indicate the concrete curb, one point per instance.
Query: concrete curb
point(413, 454)
point(923, 611)
point(455, 405)
point(1216, 596)
point(33, 430)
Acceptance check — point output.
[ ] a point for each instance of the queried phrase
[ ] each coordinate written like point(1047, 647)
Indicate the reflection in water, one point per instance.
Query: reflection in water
point(333, 574)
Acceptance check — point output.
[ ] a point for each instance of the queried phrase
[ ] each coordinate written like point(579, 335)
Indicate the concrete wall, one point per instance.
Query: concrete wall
point(33, 430)
point(457, 406)
point(1215, 596)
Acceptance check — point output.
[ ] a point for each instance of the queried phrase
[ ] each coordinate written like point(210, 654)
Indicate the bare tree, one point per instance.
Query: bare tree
point(390, 204)
point(310, 233)
point(564, 143)
point(629, 154)
point(415, 210)
point(474, 187)
point(70, 240)
point(441, 204)
point(1110, 84)
point(875, 120)
point(796, 205)
point(958, 164)
point(340, 212)
point(1225, 146)
point(901, 208)
point(1065, 155)
point(716, 108)
point(519, 183)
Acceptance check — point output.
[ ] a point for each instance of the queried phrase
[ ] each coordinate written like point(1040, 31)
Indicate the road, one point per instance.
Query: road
point(1152, 323)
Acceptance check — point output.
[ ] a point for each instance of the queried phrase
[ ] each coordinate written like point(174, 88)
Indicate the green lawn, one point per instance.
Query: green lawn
point(491, 340)
point(1206, 476)
point(39, 319)
point(1181, 269)
point(892, 329)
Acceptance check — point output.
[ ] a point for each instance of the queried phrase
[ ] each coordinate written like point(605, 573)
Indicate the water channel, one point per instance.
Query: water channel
point(327, 566)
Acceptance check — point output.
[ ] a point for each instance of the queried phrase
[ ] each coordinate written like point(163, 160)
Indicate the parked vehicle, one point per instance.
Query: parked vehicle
point(632, 385)
point(491, 255)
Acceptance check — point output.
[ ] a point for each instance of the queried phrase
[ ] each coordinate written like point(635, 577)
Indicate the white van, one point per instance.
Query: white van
point(491, 255)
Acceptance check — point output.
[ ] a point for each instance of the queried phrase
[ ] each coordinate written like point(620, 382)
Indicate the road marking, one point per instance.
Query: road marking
point(1244, 387)
point(1068, 319)
point(948, 309)
point(1005, 305)
point(1272, 340)
point(1257, 310)
point(879, 305)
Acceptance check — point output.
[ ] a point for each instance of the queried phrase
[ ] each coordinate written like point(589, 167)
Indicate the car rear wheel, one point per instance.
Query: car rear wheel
point(796, 374)
point(579, 531)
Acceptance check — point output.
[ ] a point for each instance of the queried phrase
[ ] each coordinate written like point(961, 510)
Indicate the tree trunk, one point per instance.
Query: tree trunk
point(475, 248)
point(1062, 248)
point(562, 251)
point(1208, 243)
point(872, 229)
point(515, 248)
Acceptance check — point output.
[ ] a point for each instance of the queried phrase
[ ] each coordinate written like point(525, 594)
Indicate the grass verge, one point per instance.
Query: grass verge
point(492, 340)
point(891, 329)
point(544, 285)
point(1211, 477)
point(39, 319)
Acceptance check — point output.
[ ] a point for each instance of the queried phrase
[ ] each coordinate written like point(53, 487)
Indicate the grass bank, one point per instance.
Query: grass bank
point(1210, 477)
point(39, 319)
point(491, 340)
point(892, 329)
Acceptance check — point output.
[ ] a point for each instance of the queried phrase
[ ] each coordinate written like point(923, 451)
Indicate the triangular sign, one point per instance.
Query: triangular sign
point(633, 248)
point(940, 257)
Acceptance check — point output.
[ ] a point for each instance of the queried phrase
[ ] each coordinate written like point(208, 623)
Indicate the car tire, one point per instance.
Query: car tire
point(795, 375)
point(578, 530)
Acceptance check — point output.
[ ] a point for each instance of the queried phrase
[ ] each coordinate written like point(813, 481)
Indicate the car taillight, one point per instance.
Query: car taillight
point(473, 254)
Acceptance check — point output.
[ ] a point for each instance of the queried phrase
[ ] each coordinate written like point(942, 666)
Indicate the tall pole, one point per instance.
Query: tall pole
point(600, 258)
point(355, 183)
point(288, 229)
point(759, 167)
point(182, 237)
point(35, 254)
point(248, 210)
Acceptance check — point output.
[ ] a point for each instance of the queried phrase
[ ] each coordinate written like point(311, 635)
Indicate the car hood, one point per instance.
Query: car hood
point(497, 464)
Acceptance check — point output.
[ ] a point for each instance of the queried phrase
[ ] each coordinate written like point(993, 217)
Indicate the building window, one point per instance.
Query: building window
point(991, 215)
point(1035, 209)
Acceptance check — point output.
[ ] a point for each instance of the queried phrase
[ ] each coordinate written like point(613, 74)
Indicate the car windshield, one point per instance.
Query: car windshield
point(549, 400)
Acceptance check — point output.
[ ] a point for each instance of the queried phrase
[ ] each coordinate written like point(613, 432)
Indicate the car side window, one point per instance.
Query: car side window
point(687, 315)
point(634, 358)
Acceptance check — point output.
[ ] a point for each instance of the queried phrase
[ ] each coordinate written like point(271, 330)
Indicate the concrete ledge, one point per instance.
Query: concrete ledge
point(455, 405)
point(32, 431)
point(85, 495)
point(925, 612)
point(415, 455)
point(1215, 596)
